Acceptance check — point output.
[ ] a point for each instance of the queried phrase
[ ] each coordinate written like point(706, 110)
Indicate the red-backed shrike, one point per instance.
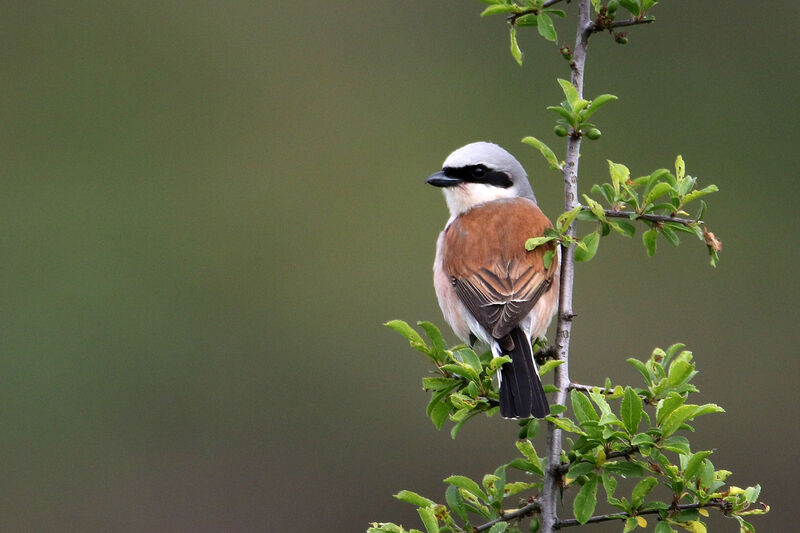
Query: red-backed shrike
point(488, 285)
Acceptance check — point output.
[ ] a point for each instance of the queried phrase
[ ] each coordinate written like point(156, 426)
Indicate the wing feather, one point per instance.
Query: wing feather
point(497, 280)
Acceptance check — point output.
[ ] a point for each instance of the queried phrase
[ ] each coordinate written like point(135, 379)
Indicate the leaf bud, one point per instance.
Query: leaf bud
point(621, 38)
point(561, 131)
point(612, 6)
point(534, 525)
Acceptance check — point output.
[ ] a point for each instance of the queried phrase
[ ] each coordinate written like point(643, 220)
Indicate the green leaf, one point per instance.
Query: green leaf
point(385, 527)
point(527, 449)
point(592, 241)
point(679, 373)
point(619, 174)
point(566, 218)
point(549, 365)
point(624, 468)
point(630, 5)
point(499, 527)
point(685, 413)
point(570, 117)
point(580, 469)
point(570, 92)
point(641, 490)
point(660, 189)
point(409, 333)
point(455, 502)
point(429, 519)
point(546, 28)
point(437, 341)
point(698, 193)
point(623, 228)
point(595, 207)
point(545, 151)
point(680, 168)
point(436, 384)
point(670, 235)
point(547, 258)
point(526, 466)
point(515, 51)
point(631, 410)
point(751, 494)
point(638, 365)
point(463, 370)
point(566, 424)
point(414, 499)
point(497, 9)
point(694, 464)
point(526, 20)
point(457, 427)
point(649, 239)
point(667, 405)
point(438, 412)
point(534, 242)
point(468, 485)
point(582, 407)
point(596, 104)
point(662, 527)
point(468, 357)
point(585, 501)
point(609, 484)
point(677, 443)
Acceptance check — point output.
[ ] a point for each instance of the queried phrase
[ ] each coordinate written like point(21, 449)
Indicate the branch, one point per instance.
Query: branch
point(513, 18)
point(589, 388)
point(522, 512)
point(604, 23)
point(550, 489)
point(719, 504)
point(653, 218)
point(631, 22)
point(564, 468)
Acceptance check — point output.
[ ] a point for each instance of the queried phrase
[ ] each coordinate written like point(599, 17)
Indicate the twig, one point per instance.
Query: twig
point(522, 512)
point(719, 504)
point(631, 22)
point(564, 468)
point(589, 388)
point(513, 18)
point(604, 23)
point(646, 216)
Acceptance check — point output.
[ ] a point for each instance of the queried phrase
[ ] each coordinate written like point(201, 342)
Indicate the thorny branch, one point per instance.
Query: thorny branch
point(533, 508)
point(719, 504)
point(652, 218)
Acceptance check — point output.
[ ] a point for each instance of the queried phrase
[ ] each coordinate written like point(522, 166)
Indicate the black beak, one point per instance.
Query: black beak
point(440, 179)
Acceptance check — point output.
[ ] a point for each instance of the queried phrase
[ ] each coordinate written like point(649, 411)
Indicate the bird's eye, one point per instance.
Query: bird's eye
point(479, 171)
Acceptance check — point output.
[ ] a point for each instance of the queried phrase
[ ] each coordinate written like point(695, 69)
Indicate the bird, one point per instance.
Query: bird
point(489, 287)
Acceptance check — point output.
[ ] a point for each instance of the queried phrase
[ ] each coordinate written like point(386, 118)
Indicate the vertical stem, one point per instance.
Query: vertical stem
point(549, 499)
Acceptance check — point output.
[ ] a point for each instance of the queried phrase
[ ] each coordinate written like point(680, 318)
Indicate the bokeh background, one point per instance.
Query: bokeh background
point(209, 208)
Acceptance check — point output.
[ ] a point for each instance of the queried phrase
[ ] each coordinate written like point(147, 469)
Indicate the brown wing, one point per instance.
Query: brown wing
point(493, 275)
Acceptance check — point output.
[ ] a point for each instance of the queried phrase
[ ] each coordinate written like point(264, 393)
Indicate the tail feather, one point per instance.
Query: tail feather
point(521, 392)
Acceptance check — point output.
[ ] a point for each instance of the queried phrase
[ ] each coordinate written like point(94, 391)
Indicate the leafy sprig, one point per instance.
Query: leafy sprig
point(619, 433)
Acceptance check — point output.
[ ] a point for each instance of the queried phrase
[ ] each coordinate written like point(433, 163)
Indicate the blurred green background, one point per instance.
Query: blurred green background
point(209, 208)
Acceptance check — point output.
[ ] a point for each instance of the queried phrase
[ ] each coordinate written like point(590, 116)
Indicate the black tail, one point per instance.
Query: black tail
point(521, 392)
